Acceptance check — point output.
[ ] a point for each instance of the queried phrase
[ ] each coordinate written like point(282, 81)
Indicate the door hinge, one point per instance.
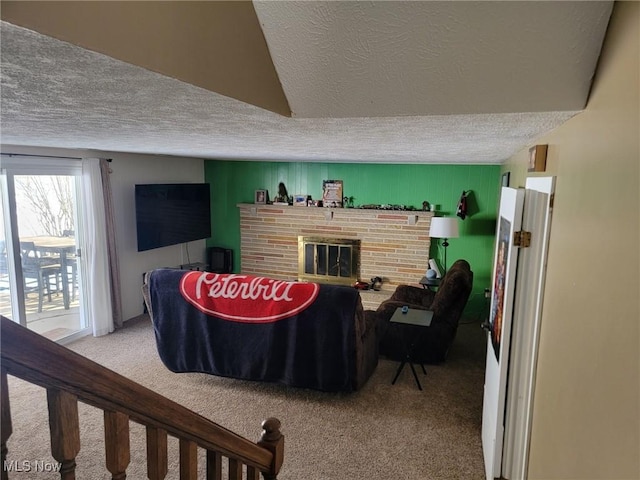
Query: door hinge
point(522, 239)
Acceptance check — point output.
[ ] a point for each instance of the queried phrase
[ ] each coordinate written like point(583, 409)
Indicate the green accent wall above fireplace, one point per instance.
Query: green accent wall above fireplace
point(235, 182)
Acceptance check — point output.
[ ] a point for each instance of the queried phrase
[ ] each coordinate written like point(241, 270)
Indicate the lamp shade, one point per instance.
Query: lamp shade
point(444, 227)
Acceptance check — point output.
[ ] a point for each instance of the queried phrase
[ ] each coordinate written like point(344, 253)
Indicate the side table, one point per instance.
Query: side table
point(415, 317)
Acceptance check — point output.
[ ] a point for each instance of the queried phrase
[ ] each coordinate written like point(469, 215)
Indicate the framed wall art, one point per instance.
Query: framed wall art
point(538, 158)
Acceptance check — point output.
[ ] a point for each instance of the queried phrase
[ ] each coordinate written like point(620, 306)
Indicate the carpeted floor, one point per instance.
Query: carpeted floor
point(382, 432)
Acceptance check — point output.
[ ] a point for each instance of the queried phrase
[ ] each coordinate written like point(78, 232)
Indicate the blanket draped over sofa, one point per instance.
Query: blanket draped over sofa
point(255, 328)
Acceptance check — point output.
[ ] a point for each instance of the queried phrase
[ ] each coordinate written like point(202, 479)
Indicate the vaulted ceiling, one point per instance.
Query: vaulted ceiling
point(333, 81)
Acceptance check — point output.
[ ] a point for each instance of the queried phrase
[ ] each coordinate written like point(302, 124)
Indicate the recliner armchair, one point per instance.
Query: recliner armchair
point(447, 304)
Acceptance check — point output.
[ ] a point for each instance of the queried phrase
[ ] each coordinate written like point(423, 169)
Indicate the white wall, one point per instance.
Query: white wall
point(128, 170)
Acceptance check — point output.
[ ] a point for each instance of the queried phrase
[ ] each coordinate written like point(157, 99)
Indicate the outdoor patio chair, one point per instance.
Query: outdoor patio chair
point(72, 265)
point(45, 272)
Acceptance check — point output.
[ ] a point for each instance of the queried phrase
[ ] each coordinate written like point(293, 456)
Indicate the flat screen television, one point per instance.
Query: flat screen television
point(169, 214)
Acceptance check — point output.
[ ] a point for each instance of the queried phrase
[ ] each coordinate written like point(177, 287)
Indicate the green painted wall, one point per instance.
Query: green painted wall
point(235, 182)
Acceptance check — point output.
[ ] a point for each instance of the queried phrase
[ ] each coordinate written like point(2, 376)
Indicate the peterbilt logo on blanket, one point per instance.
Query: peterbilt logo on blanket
point(245, 298)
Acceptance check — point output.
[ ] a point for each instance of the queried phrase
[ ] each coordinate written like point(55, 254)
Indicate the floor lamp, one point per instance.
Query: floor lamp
point(444, 227)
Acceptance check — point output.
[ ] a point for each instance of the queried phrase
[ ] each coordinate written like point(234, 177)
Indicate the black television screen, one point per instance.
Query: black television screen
point(168, 214)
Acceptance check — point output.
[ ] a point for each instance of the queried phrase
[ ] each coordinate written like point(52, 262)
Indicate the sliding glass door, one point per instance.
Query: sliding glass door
point(40, 268)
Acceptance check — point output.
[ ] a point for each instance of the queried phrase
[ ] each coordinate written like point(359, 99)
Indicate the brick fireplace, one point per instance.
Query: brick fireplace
point(394, 245)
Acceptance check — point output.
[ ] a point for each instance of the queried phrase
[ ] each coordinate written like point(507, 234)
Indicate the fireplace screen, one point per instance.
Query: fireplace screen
point(327, 260)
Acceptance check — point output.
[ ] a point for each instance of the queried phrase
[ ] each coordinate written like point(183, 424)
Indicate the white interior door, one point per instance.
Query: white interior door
point(532, 262)
point(499, 334)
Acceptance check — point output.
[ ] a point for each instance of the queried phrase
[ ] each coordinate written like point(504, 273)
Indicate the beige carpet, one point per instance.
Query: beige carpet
point(382, 432)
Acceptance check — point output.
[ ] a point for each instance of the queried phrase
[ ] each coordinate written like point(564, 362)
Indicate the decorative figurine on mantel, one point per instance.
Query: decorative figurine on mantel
point(347, 202)
point(283, 197)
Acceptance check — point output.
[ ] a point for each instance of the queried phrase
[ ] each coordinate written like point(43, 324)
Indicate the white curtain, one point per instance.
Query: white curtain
point(112, 248)
point(94, 256)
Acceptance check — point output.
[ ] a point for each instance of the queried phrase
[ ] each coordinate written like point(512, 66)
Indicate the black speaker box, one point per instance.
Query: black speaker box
point(220, 260)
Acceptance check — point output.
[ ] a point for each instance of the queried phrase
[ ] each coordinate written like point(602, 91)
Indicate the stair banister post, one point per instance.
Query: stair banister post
point(64, 430)
point(273, 441)
point(117, 444)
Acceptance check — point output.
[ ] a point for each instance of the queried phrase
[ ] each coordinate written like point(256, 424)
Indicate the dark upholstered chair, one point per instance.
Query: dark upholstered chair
point(447, 304)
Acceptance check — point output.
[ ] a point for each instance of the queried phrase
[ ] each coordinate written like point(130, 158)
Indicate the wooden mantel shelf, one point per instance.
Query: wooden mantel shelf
point(270, 209)
point(394, 243)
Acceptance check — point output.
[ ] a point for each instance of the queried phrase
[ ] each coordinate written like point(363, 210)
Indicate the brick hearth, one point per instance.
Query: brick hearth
point(394, 244)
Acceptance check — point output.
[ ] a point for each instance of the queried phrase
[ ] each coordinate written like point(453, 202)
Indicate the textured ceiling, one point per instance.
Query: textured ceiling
point(405, 82)
point(370, 59)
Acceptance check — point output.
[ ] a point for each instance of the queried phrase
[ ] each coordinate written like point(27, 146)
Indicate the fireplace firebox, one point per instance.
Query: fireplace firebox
point(328, 260)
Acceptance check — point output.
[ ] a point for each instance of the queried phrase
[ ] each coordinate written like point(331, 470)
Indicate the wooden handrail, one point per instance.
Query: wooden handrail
point(36, 359)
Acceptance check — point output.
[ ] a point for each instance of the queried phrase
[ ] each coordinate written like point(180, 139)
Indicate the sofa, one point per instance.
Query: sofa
point(299, 334)
point(447, 303)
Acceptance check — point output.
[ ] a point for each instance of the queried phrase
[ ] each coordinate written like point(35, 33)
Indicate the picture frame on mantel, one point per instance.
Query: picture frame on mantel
point(300, 200)
point(332, 193)
point(538, 158)
point(261, 197)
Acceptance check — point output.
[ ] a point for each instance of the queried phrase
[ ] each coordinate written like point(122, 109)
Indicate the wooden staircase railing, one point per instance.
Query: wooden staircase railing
point(69, 377)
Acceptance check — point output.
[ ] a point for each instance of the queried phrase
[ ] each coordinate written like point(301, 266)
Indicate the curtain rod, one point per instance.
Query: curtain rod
point(38, 156)
point(45, 156)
